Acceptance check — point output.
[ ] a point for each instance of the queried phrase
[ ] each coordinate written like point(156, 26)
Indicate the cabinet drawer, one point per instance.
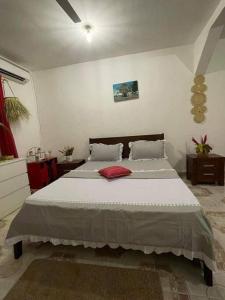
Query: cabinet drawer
point(12, 169)
point(204, 161)
point(207, 168)
point(207, 176)
point(13, 201)
point(13, 184)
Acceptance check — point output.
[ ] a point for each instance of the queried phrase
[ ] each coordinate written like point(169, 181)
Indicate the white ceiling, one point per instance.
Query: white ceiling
point(38, 34)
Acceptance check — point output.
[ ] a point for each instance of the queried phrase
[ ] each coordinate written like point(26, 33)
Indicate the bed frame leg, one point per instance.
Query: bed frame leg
point(208, 275)
point(18, 249)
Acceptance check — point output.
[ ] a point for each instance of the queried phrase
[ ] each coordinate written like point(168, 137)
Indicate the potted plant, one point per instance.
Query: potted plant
point(202, 148)
point(67, 153)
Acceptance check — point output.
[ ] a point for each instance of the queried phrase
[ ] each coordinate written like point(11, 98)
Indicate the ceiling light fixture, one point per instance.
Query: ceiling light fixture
point(88, 30)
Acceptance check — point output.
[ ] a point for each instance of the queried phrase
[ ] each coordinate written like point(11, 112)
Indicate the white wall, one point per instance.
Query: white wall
point(202, 38)
point(216, 110)
point(26, 132)
point(217, 62)
point(76, 102)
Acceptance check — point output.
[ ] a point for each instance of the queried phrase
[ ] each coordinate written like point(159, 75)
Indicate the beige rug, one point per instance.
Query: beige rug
point(47, 279)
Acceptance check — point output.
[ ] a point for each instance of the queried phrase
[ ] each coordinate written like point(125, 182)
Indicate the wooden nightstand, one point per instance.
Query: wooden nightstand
point(66, 166)
point(205, 169)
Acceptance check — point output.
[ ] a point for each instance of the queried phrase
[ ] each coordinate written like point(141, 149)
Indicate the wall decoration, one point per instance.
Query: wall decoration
point(125, 91)
point(14, 109)
point(198, 99)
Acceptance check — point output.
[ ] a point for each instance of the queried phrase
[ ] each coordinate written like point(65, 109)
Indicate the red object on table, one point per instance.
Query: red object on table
point(42, 172)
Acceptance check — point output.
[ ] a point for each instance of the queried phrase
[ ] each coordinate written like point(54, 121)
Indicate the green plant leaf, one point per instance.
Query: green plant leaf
point(15, 110)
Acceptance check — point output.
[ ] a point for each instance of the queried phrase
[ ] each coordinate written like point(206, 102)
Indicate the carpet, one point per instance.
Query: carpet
point(47, 279)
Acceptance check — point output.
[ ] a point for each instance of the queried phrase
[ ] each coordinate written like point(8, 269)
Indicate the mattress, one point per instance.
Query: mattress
point(153, 211)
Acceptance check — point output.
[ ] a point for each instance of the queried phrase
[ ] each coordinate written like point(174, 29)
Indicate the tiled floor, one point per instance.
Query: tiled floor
point(180, 278)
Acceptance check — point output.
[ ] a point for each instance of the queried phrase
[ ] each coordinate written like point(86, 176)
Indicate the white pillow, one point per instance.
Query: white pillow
point(103, 152)
point(147, 150)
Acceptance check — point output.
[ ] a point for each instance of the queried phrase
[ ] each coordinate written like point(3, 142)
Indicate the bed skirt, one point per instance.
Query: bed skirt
point(211, 264)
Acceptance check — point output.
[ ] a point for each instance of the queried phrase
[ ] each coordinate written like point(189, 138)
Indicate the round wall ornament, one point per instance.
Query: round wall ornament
point(198, 99)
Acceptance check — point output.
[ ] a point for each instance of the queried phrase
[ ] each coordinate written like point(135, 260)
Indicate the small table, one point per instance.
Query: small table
point(42, 172)
point(66, 166)
point(205, 168)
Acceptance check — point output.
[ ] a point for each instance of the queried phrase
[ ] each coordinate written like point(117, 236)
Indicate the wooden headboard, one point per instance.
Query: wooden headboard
point(125, 141)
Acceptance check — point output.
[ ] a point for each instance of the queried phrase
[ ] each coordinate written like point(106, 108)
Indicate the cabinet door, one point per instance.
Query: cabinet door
point(38, 175)
point(52, 169)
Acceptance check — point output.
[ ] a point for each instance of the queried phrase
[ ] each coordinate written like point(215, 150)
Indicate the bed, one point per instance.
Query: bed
point(151, 210)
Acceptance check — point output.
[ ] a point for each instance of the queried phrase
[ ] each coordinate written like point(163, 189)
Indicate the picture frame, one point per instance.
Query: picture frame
point(125, 91)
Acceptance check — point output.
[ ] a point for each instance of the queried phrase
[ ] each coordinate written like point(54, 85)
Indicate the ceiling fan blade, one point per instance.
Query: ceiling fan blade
point(66, 6)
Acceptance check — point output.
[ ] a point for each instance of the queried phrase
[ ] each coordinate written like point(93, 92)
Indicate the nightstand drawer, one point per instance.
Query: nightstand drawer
point(207, 177)
point(207, 167)
point(205, 161)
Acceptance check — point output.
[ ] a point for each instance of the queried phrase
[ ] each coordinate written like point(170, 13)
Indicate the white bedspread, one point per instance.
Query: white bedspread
point(72, 192)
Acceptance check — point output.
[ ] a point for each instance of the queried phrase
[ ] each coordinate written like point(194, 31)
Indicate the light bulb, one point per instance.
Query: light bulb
point(88, 31)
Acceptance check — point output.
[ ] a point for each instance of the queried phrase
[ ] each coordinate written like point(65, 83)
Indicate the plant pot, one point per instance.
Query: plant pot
point(69, 158)
point(203, 154)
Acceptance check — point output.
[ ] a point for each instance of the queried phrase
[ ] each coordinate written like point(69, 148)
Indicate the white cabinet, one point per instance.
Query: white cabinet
point(14, 185)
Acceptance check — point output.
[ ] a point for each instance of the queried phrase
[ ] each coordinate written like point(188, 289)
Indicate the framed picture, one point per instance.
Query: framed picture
point(125, 91)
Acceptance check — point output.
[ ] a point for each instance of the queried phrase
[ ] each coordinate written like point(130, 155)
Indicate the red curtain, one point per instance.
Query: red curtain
point(7, 143)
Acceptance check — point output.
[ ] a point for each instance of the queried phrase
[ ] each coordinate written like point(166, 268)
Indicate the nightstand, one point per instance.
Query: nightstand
point(42, 172)
point(66, 166)
point(205, 168)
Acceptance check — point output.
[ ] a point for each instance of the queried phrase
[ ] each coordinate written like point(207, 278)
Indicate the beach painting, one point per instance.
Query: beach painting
point(125, 91)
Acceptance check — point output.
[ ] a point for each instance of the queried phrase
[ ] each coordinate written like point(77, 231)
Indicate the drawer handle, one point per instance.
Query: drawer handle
point(207, 166)
point(208, 174)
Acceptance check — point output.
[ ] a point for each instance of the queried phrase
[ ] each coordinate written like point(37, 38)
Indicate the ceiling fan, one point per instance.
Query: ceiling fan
point(67, 7)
